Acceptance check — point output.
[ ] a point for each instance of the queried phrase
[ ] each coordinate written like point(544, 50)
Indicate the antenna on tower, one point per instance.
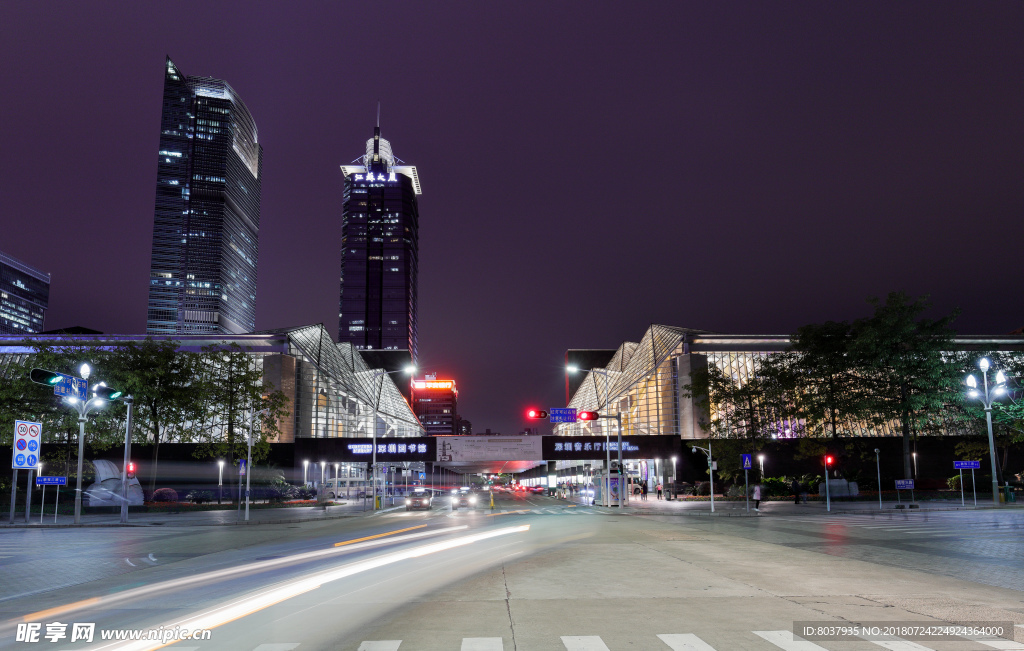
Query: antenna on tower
point(378, 113)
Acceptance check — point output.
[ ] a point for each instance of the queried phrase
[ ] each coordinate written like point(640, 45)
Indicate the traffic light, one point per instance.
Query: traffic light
point(40, 376)
point(131, 470)
point(587, 415)
point(536, 413)
point(828, 460)
point(106, 393)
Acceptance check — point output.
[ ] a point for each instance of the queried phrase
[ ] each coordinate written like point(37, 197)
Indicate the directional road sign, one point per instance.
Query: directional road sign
point(904, 484)
point(558, 415)
point(748, 462)
point(51, 481)
point(28, 437)
point(967, 465)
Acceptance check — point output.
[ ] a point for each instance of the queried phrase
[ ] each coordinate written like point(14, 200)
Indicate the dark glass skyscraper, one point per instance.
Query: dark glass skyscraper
point(207, 220)
point(24, 297)
point(379, 251)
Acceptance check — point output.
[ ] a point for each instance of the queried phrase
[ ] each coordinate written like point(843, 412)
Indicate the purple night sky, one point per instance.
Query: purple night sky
point(588, 168)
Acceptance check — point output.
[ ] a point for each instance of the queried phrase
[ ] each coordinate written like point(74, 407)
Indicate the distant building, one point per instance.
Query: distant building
point(207, 219)
point(463, 427)
point(24, 297)
point(379, 252)
point(435, 403)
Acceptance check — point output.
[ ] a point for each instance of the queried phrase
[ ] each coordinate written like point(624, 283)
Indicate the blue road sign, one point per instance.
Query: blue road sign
point(967, 465)
point(904, 484)
point(241, 466)
point(27, 439)
point(423, 475)
point(70, 387)
point(51, 481)
point(560, 415)
point(748, 461)
point(19, 461)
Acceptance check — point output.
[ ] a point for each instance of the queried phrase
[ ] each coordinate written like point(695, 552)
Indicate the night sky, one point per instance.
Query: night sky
point(588, 168)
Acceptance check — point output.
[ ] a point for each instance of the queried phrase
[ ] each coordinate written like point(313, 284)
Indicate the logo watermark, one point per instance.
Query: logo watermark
point(30, 632)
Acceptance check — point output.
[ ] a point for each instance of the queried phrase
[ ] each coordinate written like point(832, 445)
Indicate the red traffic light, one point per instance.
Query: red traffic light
point(130, 470)
point(587, 415)
point(828, 460)
point(536, 413)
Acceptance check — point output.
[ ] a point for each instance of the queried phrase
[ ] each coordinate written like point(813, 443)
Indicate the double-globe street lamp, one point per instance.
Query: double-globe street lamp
point(380, 373)
point(84, 408)
point(987, 394)
point(608, 454)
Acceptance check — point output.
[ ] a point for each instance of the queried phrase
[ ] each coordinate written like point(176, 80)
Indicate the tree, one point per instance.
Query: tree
point(826, 375)
point(901, 372)
point(238, 402)
point(163, 381)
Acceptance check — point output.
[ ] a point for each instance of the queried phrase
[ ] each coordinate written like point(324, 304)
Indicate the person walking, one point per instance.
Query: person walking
point(757, 497)
point(643, 490)
point(795, 487)
point(658, 488)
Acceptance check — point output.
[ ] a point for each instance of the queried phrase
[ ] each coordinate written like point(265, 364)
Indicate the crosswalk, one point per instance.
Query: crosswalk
point(975, 526)
point(767, 640)
point(489, 512)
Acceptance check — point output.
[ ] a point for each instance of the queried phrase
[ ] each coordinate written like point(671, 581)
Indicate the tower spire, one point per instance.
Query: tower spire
point(378, 114)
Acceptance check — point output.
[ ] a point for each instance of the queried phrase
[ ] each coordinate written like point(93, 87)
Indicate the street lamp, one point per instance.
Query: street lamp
point(220, 479)
point(84, 408)
point(987, 395)
point(711, 471)
point(618, 420)
point(760, 460)
point(305, 468)
point(380, 373)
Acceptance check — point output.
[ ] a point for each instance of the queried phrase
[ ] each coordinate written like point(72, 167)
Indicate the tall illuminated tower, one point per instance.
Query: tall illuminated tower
point(207, 219)
point(379, 253)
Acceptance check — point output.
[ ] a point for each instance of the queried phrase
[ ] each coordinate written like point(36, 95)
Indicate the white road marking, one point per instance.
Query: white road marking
point(900, 645)
point(1000, 644)
point(787, 641)
point(482, 644)
point(685, 642)
point(276, 646)
point(129, 562)
point(583, 643)
point(383, 645)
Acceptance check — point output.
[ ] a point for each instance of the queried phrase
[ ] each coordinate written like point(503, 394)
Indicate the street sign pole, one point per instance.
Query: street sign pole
point(56, 498)
point(42, 504)
point(974, 489)
point(14, 494)
point(962, 487)
point(28, 496)
point(746, 489)
point(128, 400)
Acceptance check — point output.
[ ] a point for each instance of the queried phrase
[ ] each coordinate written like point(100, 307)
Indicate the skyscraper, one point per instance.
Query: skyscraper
point(379, 251)
point(207, 219)
point(24, 297)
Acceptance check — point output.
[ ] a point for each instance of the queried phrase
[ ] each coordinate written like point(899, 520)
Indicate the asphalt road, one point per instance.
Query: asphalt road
point(535, 574)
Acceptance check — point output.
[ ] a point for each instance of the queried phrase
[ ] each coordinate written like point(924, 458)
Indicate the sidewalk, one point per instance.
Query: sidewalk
point(279, 515)
point(730, 508)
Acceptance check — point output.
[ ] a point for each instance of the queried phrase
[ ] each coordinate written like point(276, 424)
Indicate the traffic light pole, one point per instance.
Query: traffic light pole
point(128, 400)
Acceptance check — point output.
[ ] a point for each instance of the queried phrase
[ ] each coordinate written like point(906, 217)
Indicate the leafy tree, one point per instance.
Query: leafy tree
point(901, 371)
point(238, 402)
point(757, 407)
point(162, 380)
point(827, 376)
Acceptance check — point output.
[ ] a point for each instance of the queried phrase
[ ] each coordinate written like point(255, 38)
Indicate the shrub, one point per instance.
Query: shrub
point(305, 493)
point(199, 497)
point(276, 490)
point(165, 495)
point(703, 488)
point(736, 490)
point(777, 486)
point(954, 482)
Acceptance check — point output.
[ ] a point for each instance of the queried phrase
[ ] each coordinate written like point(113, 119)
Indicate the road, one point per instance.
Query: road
point(536, 574)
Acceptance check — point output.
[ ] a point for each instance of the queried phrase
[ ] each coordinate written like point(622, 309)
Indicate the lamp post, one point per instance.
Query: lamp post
point(84, 408)
point(987, 395)
point(618, 420)
point(760, 460)
point(305, 471)
point(380, 373)
point(220, 479)
point(711, 471)
point(878, 466)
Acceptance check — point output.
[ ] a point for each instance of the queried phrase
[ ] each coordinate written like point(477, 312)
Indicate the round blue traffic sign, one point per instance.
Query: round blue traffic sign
point(32, 460)
point(21, 444)
point(19, 460)
point(33, 446)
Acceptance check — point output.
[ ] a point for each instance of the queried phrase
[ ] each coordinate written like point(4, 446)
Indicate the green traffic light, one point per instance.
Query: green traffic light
point(115, 395)
point(55, 379)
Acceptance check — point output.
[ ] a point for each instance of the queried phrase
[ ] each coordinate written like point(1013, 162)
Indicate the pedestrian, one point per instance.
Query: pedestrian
point(658, 488)
point(643, 490)
point(757, 497)
point(795, 487)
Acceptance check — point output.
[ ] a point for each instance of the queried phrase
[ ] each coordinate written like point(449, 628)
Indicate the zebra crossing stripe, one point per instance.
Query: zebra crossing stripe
point(788, 642)
point(901, 645)
point(685, 642)
point(1000, 644)
point(383, 645)
point(584, 643)
point(482, 644)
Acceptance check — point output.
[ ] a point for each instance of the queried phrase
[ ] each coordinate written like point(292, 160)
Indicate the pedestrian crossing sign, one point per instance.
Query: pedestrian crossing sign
point(747, 462)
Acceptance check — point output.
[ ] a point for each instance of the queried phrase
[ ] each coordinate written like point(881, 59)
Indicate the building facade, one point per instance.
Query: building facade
point(436, 403)
point(380, 252)
point(24, 297)
point(207, 217)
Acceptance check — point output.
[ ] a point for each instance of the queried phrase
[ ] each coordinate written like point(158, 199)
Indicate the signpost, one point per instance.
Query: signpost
point(904, 485)
point(45, 481)
point(748, 463)
point(972, 466)
point(28, 438)
point(562, 415)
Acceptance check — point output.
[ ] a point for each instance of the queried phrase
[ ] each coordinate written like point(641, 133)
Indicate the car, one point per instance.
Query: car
point(538, 489)
point(465, 497)
point(419, 499)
